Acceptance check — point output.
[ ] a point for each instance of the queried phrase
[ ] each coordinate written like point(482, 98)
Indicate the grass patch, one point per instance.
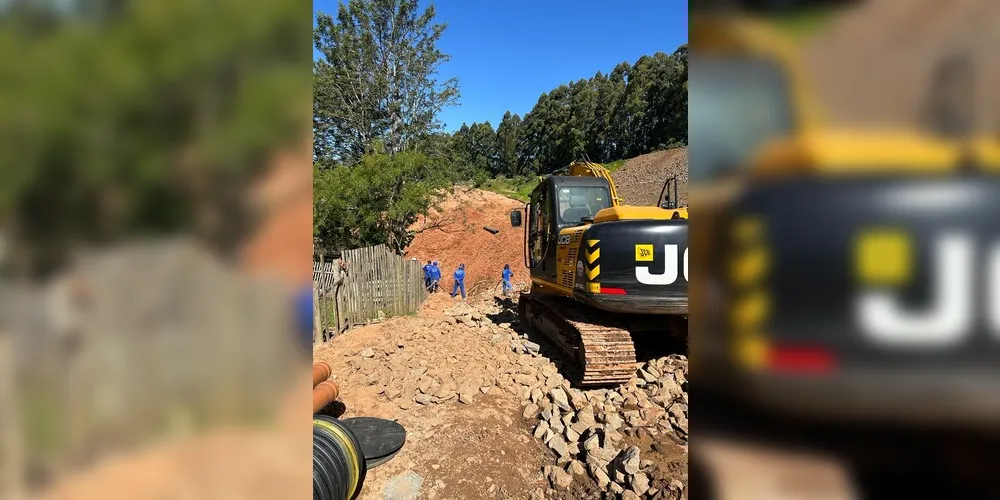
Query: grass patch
point(615, 165)
point(518, 188)
point(803, 24)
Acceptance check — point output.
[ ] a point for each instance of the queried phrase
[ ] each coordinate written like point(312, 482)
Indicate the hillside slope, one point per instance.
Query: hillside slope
point(641, 179)
point(454, 234)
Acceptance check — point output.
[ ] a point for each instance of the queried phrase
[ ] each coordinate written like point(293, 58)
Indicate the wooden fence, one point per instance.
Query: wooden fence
point(363, 285)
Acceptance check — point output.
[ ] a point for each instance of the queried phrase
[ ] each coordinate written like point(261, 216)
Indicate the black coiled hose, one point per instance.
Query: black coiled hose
point(338, 463)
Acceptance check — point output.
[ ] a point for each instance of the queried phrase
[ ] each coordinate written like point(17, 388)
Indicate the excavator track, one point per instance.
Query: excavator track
point(603, 351)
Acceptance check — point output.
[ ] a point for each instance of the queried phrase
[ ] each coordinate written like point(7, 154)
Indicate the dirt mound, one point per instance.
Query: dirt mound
point(874, 64)
point(226, 463)
point(641, 179)
point(454, 234)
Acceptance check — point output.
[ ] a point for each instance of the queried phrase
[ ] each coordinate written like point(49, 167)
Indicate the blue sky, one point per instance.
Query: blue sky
point(506, 53)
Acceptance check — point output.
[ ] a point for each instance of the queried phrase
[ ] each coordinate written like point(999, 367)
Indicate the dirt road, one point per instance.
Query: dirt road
point(489, 414)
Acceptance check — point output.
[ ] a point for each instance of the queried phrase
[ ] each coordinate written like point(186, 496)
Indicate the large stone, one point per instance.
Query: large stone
point(579, 427)
point(524, 379)
point(628, 460)
point(630, 495)
point(613, 421)
point(530, 411)
point(423, 399)
point(639, 483)
point(405, 486)
point(541, 428)
point(571, 435)
point(367, 353)
point(600, 476)
point(600, 457)
point(560, 479)
point(531, 347)
point(591, 443)
point(559, 446)
point(559, 398)
point(536, 395)
point(586, 416)
point(466, 397)
point(577, 399)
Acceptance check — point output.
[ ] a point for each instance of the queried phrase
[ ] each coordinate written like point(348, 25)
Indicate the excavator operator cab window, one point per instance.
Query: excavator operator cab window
point(580, 202)
point(737, 104)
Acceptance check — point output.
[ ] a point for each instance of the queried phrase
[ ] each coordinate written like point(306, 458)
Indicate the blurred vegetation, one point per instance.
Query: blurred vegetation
point(145, 116)
point(803, 23)
point(377, 97)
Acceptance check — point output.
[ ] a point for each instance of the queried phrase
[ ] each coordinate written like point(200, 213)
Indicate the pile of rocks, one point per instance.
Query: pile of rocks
point(588, 430)
point(592, 433)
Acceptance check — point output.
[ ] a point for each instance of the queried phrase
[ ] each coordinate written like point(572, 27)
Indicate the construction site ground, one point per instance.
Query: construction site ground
point(477, 395)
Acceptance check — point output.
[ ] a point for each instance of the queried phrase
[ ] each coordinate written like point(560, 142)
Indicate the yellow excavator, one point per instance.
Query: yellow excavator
point(601, 271)
point(824, 283)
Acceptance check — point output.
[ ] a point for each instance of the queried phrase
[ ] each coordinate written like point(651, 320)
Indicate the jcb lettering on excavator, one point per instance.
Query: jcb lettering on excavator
point(951, 315)
point(644, 253)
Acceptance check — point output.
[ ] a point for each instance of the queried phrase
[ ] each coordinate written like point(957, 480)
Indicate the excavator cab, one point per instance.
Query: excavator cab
point(557, 203)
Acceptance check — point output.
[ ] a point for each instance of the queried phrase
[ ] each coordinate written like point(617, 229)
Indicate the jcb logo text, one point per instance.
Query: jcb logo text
point(644, 253)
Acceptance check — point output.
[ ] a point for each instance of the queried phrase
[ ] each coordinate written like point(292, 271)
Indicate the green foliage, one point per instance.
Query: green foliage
point(615, 165)
point(633, 110)
point(143, 116)
point(374, 201)
point(518, 188)
point(377, 79)
point(474, 150)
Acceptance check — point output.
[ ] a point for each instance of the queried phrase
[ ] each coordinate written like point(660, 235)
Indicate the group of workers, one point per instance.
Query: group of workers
point(432, 279)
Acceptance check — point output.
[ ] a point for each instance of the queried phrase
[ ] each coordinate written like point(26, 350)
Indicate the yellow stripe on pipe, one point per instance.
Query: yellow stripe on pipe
point(355, 474)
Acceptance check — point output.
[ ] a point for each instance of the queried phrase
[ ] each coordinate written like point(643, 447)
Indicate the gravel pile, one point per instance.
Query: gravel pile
point(640, 180)
point(874, 63)
point(627, 442)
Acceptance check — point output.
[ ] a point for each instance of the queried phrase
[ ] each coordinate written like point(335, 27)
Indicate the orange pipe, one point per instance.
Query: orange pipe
point(321, 372)
point(324, 394)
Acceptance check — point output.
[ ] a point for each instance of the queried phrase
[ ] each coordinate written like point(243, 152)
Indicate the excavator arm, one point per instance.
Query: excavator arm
point(589, 169)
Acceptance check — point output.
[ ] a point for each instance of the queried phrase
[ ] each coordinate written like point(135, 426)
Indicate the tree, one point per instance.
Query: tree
point(377, 78)
point(114, 123)
point(633, 110)
point(508, 135)
point(375, 201)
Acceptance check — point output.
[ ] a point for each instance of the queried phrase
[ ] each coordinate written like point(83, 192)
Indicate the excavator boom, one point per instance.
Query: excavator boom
point(589, 169)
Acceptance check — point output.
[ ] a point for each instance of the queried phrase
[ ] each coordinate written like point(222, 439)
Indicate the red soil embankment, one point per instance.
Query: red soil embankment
point(453, 234)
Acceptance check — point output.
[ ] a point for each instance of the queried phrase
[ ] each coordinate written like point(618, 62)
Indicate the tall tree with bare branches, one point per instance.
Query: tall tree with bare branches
point(377, 81)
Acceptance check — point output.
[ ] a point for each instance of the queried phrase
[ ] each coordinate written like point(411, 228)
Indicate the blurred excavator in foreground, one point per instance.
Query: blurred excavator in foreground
point(601, 271)
point(842, 274)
